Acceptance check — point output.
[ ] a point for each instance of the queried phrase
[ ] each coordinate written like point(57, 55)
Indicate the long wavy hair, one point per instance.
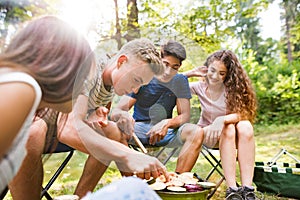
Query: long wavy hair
point(56, 56)
point(53, 53)
point(240, 95)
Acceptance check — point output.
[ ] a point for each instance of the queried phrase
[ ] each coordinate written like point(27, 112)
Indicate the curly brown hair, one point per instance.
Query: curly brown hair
point(240, 95)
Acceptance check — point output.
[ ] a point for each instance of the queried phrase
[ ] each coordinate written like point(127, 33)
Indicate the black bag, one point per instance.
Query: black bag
point(282, 179)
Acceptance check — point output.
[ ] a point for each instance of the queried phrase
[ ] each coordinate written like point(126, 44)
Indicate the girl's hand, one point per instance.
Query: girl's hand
point(200, 71)
point(213, 132)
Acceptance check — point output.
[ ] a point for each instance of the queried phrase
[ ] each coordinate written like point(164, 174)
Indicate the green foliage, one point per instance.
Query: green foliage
point(206, 23)
point(277, 90)
point(195, 110)
point(204, 26)
point(155, 14)
point(13, 12)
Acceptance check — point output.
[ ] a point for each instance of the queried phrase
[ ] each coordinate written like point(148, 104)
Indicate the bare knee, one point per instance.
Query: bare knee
point(245, 130)
point(229, 132)
point(112, 132)
point(193, 134)
point(36, 140)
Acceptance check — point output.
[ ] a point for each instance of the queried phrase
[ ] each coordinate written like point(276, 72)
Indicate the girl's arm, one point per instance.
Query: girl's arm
point(196, 72)
point(16, 101)
point(231, 118)
point(212, 132)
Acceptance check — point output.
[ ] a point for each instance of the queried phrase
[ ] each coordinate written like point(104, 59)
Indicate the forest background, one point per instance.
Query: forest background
point(202, 26)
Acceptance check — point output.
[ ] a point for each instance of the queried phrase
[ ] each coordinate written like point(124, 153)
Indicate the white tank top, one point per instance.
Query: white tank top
point(11, 162)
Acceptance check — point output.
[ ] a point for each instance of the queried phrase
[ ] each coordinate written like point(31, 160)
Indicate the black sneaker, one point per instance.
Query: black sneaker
point(234, 194)
point(248, 193)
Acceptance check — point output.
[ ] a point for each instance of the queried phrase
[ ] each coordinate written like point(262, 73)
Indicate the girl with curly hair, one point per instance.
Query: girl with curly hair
point(228, 109)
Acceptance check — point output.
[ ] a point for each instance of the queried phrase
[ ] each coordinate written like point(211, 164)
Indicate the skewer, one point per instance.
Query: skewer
point(139, 143)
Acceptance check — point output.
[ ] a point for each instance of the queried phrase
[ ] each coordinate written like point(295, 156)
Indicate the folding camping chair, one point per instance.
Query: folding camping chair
point(282, 151)
point(158, 155)
point(4, 192)
point(216, 167)
point(138, 146)
point(60, 148)
point(169, 155)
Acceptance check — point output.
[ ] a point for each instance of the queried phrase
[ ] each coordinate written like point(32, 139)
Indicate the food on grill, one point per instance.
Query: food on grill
point(187, 174)
point(175, 182)
point(176, 189)
point(158, 185)
point(207, 184)
point(193, 187)
point(185, 182)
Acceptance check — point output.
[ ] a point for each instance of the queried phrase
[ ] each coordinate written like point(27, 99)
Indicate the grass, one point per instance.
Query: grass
point(269, 141)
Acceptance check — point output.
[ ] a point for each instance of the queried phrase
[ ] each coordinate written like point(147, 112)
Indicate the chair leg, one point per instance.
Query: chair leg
point(170, 155)
point(174, 150)
point(160, 152)
point(215, 165)
point(3, 194)
point(215, 189)
point(54, 177)
point(46, 194)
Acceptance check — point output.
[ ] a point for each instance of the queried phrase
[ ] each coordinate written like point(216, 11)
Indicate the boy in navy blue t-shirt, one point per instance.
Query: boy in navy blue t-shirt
point(152, 119)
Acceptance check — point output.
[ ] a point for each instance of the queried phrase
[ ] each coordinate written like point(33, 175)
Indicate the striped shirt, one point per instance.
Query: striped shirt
point(96, 92)
point(97, 96)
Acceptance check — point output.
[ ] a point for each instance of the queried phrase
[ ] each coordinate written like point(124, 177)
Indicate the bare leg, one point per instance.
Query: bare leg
point(246, 151)
point(192, 135)
point(92, 172)
point(93, 169)
point(27, 184)
point(228, 154)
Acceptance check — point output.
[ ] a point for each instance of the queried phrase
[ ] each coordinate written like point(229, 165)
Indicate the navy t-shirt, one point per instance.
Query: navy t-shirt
point(156, 100)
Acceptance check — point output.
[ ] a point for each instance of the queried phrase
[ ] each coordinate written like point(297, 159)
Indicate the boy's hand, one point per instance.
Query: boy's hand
point(99, 118)
point(126, 123)
point(158, 132)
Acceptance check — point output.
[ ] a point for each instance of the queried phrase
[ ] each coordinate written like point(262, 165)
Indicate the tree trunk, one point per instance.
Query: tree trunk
point(287, 16)
point(288, 36)
point(118, 36)
point(133, 30)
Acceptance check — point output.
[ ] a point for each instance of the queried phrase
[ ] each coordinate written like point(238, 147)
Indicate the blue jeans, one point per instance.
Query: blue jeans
point(172, 138)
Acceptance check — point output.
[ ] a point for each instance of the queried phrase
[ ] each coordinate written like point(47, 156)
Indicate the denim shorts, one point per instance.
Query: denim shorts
point(172, 138)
